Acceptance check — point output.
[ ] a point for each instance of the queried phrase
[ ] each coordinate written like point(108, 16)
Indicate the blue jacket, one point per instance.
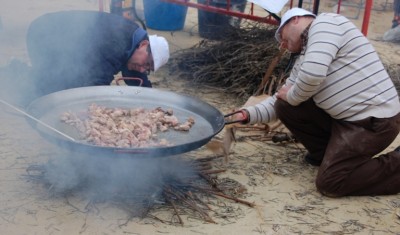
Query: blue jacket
point(72, 49)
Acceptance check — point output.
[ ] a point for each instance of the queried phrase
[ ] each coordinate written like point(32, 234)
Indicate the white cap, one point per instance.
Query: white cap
point(287, 16)
point(159, 50)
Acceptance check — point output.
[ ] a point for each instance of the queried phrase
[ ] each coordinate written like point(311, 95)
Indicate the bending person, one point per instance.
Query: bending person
point(72, 49)
point(339, 102)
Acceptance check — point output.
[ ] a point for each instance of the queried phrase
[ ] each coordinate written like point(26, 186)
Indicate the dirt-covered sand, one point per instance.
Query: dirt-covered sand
point(276, 178)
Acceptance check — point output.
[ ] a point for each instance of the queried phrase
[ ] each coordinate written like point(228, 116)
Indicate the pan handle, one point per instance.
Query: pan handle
point(129, 78)
point(244, 113)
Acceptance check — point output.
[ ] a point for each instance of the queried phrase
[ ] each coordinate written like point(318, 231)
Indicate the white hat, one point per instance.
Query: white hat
point(287, 16)
point(159, 50)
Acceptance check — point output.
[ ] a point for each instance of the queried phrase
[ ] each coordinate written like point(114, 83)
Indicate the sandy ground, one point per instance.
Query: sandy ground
point(276, 178)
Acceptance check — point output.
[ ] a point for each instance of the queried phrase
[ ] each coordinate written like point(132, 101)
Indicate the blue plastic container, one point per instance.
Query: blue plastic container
point(216, 26)
point(163, 15)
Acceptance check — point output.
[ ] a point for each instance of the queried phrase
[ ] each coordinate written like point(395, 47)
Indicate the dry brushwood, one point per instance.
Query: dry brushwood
point(194, 191)
point(238, 63)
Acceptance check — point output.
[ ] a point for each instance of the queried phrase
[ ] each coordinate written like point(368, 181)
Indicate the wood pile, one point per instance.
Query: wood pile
point(236, 64)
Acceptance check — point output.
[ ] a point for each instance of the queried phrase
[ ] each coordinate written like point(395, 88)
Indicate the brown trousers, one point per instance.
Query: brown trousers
point(346, 149)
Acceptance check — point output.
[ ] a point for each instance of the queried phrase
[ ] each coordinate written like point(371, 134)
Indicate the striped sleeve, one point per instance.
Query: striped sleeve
point(263, 112)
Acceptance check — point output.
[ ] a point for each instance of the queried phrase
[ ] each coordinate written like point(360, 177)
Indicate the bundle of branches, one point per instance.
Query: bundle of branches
point(238, 63)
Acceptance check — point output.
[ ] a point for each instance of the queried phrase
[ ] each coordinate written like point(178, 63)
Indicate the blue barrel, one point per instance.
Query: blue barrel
point(216, 26)
point(166, 16)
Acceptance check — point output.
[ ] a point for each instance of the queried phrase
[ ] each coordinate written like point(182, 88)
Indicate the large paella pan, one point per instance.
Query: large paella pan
point(209, 121)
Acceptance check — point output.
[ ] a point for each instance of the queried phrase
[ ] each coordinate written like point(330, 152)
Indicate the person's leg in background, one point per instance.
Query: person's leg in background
point(396, 9)
point(393, 34)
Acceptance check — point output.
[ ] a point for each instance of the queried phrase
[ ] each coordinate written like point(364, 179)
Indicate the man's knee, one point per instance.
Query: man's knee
point(328, 187)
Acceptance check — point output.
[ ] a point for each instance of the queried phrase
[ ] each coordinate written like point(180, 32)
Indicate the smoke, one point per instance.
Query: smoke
point(98, 177)
point(114, 177)
point(15, 86)
point(40, 55)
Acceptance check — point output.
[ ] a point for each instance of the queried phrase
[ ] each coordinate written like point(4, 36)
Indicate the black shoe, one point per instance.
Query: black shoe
point(313, 161)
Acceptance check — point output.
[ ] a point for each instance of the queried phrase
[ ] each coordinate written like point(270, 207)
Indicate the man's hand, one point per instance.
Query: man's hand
point(282, 92)
point(237, 118)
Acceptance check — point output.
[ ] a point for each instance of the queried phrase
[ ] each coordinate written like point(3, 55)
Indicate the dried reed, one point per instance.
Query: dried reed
point(237, 64)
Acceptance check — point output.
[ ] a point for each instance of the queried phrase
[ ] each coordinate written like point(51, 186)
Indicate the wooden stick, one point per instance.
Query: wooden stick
point(275, 126)
point(175, 209)
point(190, 194)
point(212, 171)
point(233, 198)
point(225, 196)
point(263, 128)
point(205, 159)
point(270, 69)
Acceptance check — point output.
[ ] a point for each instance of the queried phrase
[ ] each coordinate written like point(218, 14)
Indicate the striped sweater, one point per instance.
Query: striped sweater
point(341, 71)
